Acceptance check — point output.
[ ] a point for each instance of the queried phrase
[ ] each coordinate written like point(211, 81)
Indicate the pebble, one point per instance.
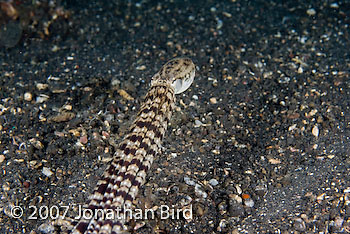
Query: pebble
point(185, 201)
point(62, 117)
point(83, 139)
point(6, 187)
point(41, 86)
point(195, 97)
point(334, 5)
point(47, 171)
point(198, 123)
point(219, 24)
point(222, 207)
point(291, 128)
point(213, 182)
point(238, 189)
point(75, 132)
point(200, 192)
point(87, 89)
point(2, 158)
point(55, 48)
point(26, 184)
point(188, 181)
point(312, 112)
point(115, 82)
point(228, 15)
point(36, 143)
point(249, 202)
point(125, 95)
point(141, 68)
point(222, 225)
point(235, 197)
point(274, 161)
point(315, 131)
point(42, 98)
point(197, 188)
point(330, 156)
point(300, 70)
point(68, 107)
point(321, 197)
point(213, 100)
point(311, 12)
point(28, 96)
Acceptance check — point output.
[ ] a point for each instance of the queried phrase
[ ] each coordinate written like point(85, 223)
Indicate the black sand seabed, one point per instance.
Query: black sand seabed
point(258, 144)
